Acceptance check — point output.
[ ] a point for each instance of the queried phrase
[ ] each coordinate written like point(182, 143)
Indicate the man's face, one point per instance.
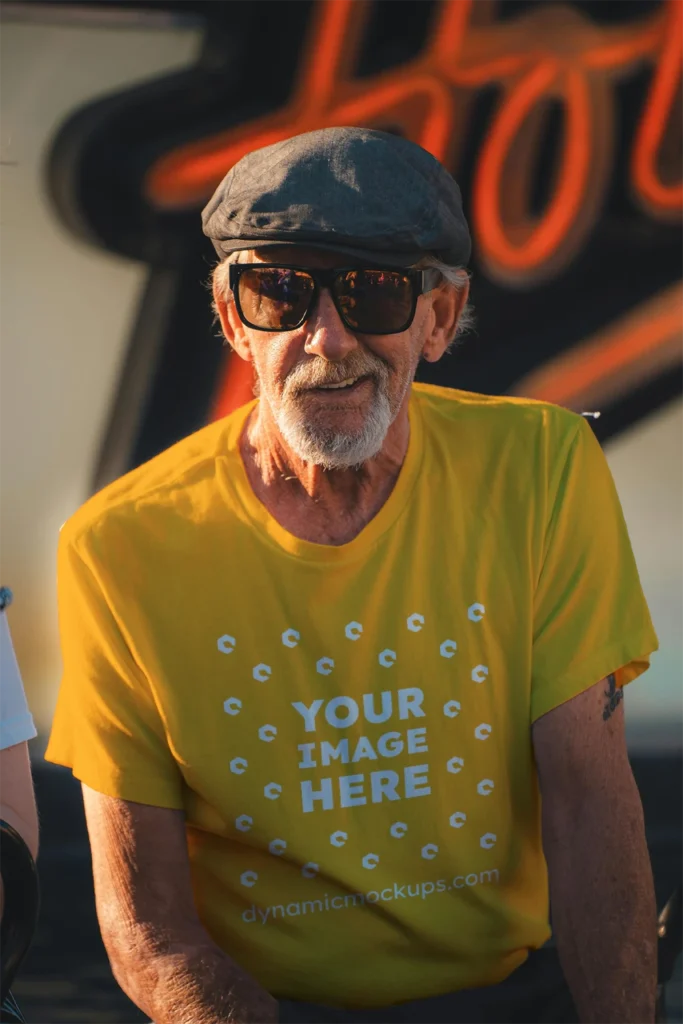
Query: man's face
point(332, 427)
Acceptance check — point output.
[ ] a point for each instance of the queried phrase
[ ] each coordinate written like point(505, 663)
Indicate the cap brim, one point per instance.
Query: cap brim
point(381, 259)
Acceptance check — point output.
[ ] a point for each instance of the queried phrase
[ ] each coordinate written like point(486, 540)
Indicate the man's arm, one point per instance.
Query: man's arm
point(161, 955)
point(601, 887)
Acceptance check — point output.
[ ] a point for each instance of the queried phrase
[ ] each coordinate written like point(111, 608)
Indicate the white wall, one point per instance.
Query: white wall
point(647, 465)
point(65, 312)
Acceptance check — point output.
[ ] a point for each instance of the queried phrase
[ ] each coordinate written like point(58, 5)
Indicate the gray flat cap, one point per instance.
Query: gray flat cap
point(364, 193)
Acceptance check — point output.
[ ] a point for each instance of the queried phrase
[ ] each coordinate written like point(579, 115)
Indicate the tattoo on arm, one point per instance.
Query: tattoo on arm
point(614, 697)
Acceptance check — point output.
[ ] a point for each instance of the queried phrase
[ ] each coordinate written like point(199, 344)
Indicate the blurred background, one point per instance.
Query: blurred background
point(562, 122)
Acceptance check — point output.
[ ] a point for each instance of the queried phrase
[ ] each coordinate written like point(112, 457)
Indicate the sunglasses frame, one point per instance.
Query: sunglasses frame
point(422, 281)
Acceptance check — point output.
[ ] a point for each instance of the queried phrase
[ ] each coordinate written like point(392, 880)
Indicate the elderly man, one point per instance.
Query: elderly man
point(343, 671)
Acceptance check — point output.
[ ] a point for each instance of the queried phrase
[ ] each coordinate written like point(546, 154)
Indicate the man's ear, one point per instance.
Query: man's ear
point(448, 303)
point(231, 325)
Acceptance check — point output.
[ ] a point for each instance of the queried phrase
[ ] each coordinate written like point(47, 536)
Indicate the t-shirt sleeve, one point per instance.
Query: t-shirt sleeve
point(16, 721)
point(107, 727)
point(590, 614)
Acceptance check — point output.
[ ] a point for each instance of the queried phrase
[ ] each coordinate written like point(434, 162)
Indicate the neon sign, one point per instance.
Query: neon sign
point(549, 59)
point(550, 53)
point(615, 361)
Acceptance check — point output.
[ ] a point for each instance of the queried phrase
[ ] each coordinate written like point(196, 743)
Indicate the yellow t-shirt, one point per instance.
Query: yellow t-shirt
point(348, 728)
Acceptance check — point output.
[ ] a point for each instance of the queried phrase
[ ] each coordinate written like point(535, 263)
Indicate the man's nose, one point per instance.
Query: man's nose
point(327, 337)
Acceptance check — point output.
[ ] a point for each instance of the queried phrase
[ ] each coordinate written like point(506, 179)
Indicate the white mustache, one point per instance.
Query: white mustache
point(302, 378)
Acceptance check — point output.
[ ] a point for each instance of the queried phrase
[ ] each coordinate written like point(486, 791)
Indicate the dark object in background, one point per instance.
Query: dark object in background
point(669, 947)
point(20, 911)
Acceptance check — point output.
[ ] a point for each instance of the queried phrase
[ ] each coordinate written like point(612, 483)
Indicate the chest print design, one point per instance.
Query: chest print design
point(407, 732)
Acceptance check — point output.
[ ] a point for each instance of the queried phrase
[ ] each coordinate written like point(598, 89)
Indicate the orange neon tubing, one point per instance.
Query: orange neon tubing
point(188, 174)
point(654, 119)
point(450, 31)
point(596, 360)
point(484, 74)
point(554, 225)
point(640, 39)
point(236, 387)
point(365, 108)
point(625, 349)
point(322, 69)
point(182, 172)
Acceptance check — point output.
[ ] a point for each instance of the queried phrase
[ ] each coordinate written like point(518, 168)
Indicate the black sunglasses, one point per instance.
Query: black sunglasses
point(278, 297)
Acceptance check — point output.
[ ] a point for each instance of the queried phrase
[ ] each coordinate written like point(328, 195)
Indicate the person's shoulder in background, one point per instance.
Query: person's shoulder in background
point(16, 721)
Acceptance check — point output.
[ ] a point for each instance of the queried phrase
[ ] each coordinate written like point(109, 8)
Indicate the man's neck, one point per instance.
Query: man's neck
point(324, 506)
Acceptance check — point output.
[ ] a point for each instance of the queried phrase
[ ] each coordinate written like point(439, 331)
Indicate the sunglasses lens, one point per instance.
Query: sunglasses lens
point(275, 298)
point(375, 301)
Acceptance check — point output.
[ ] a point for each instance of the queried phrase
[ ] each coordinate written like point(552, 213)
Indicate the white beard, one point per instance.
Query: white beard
point(320, 446)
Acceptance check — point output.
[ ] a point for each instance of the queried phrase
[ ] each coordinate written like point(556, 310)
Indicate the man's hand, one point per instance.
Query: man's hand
point(160, 954)
point(601, 888)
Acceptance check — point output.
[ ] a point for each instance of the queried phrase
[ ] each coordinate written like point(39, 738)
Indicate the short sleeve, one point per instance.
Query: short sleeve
point(590, 614)
point(107, 727)
point(16, 721)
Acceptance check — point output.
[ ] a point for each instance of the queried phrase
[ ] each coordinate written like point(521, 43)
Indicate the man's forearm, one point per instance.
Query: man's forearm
point(604, 911)
point(193, 984)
